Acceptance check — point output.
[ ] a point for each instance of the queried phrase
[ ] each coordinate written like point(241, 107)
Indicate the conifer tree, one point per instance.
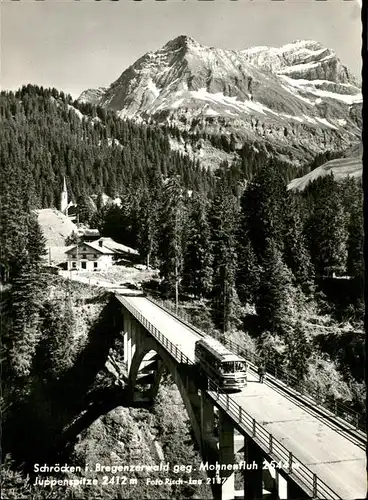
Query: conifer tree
point(355, 244)
point(171, 236)
point(148, 228)
point(298, 350)
point(85, 208)
point(23, 334)
point(326, 229)
point(275, 292)
point(352, 200)
point(55, 352)
point(248, 270)
point(197, 271)
point(35, 244)
point(23, 248)
point(262, 208)
point(13, 227)
point(223, 228)
point(296, 253)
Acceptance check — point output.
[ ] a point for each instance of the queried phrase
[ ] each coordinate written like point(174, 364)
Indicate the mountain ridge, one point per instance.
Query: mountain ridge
point(299, 96)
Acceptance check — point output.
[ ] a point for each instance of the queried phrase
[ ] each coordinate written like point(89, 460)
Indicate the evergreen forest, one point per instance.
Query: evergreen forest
point(280, 272)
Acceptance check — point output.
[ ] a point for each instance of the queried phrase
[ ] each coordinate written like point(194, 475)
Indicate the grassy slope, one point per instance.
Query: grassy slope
point(341, 167)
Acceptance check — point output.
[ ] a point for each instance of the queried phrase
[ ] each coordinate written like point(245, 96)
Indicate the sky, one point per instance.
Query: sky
point(75, 45)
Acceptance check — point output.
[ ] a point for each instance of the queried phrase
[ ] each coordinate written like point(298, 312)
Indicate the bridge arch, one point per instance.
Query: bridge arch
point(147, 367)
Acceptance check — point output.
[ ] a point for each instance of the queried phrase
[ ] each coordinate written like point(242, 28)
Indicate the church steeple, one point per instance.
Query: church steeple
point(64, 199)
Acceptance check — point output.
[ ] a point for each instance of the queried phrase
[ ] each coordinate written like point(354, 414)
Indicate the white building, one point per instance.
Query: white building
point(97, 255)
point(67, 207)
point(64, 199)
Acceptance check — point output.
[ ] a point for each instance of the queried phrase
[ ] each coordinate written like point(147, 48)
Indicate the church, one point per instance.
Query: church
point(67, 207)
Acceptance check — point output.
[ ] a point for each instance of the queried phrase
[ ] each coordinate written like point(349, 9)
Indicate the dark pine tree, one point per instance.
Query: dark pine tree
point(223, 227)
point(197, 270)
point(275, 292)
point(55, 354)
point(352, 199)
point(296, 253)
point(262, 208)
point(172, 223)
point(148, 228)
point(298, 351)
point(326, 229)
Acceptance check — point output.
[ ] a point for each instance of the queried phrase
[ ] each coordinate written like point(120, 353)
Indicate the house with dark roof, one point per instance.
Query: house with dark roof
point(98, 255)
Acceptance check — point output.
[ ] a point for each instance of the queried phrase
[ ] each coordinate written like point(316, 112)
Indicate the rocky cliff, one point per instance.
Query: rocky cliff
point(298, 99)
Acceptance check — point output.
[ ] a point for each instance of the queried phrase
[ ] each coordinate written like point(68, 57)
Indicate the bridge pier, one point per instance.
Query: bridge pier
point(281, 485)
point(294, 492)
point(130, 338)
point(226, 455)
point(207, 418)
point(253, 477)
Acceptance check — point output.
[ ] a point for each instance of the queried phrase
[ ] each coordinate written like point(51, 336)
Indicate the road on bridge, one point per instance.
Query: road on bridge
point(336, 460)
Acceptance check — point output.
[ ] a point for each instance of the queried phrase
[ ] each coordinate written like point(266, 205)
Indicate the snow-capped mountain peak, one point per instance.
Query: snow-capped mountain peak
point(306, 59)
point(298, 94)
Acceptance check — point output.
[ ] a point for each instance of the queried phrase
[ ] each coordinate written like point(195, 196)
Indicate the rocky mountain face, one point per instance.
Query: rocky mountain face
point(93, 96)
point(298, 100)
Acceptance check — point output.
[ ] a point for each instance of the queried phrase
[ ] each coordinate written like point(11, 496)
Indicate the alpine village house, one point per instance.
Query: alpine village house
point(93, 254)
point(98, 255)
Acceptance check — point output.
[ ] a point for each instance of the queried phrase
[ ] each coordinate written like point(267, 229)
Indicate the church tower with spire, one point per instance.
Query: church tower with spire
point(64, 199)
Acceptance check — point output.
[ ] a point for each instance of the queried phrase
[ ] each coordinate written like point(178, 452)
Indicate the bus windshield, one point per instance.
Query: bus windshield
point(227, 367)
point(232, 367)
point(240, 367)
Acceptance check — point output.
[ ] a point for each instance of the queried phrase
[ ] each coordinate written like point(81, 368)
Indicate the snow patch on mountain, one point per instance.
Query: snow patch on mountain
point(325, 122)
point(152, 87)
point(297, 97)
point(350, 96)
point(348, 99)
point(232, 102)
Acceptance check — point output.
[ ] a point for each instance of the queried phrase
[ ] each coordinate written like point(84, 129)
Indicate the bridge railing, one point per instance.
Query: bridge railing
point(282, 458)
point(303, 475)
point(169, 346)
point(332, 404)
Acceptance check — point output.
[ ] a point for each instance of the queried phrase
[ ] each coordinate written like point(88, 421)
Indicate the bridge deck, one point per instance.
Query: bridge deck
point(175, 331)
point(337, 461)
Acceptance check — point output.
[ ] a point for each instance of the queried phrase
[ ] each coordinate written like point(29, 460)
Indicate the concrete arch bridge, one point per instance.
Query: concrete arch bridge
point(293, 449)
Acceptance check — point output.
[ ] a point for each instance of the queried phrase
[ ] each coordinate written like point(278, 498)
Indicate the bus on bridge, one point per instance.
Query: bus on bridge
point(226, 368)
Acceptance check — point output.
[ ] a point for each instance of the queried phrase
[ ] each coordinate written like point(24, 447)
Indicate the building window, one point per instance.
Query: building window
point(95, 264)
point(84, 265)
point(84, 256)
point(74, 264)
point(95, 255)
point(74, 256)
